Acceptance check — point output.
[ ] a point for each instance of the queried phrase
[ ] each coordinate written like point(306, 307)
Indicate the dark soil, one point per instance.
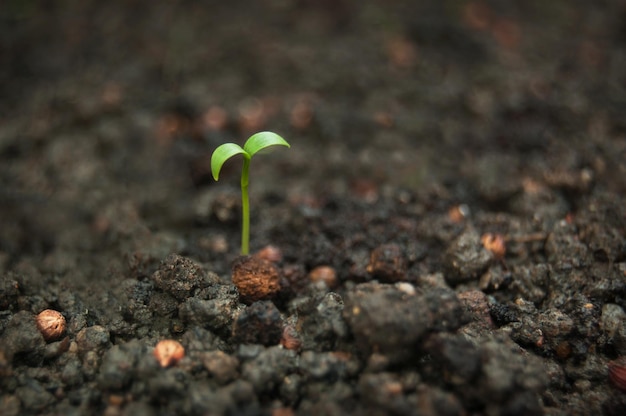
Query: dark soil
point(446, 235)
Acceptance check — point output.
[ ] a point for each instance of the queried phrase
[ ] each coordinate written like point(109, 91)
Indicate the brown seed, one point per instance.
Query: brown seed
point(255, 278)
point(458, 213)
point(51, 324)
point(283, 411)
point(301, 114)
point(290, 339)
point(494, 243)
point(271, 253)
point(325, 274)
point(169, 352)
point(617, 372)
point(215, 118)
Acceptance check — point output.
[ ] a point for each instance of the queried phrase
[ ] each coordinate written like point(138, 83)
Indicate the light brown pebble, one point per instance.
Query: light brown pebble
point(388, 263)
point(495, 244)
point(458, 213)
point(51, 324)
point(169, 352)
point(283, 411)
point(617, 372)
point(270, 253)
point(290, 339)
point(326, 274)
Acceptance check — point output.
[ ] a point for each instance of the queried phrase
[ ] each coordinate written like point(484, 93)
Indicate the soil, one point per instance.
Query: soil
point(446, 235)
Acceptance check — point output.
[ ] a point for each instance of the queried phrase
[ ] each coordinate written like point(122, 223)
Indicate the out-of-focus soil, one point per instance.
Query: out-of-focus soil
point(447, 231)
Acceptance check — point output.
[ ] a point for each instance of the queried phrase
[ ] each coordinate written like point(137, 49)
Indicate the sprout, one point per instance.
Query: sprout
point(253, 145)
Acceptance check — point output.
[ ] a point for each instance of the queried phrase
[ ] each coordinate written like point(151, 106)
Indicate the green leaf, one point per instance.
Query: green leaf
point(222, 154)
point(262, 140)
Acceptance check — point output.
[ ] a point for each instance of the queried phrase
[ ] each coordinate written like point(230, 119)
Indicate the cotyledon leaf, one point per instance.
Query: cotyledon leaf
point(262, 140)
point(222, 154)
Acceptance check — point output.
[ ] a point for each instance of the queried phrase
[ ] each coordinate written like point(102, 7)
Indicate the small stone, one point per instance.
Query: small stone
point(388, 263)
point(270, 253)
point(290, 339)
point(617, 372)
point(466, 258)
point(495, 244)
point(458, 213)
point(325, 274)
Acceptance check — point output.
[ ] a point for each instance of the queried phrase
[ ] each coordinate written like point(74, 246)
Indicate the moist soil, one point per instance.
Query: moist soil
point(445, 236)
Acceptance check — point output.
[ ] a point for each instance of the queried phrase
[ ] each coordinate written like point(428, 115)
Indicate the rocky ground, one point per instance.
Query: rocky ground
point(445, 236)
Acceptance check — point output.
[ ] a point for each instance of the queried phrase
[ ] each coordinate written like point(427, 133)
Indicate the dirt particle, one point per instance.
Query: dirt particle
point(221, 366)
point(181, 277)
point(92, 339)
point(458, 213)
point(290, 339)
point(270, 253)
point(475, 304)
point(325, 274)
point(495, 244)
point(617, 372)
point(388, 263)
point(384, 319)
point(466, 258)
point(259, 323)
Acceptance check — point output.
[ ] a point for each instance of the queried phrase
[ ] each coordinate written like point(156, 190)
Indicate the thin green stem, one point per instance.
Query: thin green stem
point(245, 207)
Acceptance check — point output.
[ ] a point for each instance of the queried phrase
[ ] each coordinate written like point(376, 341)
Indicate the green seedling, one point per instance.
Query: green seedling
point(253, 145)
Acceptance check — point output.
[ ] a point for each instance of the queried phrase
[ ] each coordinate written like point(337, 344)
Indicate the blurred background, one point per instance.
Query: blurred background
point(109, 111)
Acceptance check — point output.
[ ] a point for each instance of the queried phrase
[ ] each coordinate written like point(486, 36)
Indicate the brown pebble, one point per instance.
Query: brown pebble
point(563, 350)
point(283, 411)
point(458, 213)
point(169, 352)
point(270, 253)
point(116, 400)
point(495, 244)
point(255, 278)
point(617, 372)
point(325, 274)
point(290, 339)
point(51, 324)
point(388, 263)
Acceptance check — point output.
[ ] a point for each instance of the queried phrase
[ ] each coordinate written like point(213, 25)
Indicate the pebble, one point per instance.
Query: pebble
point(466, 258)
point(388, 263)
